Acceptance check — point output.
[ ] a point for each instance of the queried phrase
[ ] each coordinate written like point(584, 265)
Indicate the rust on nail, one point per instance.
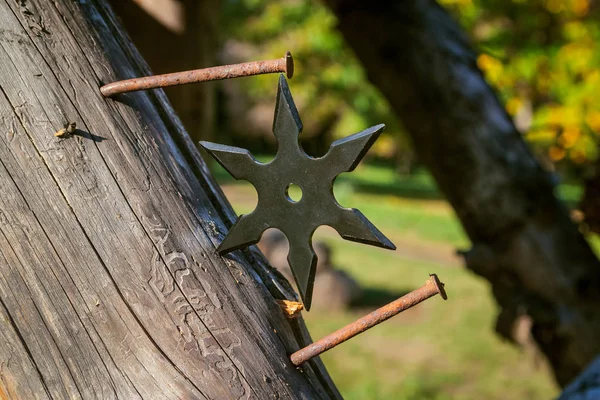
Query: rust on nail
point(68, 130)
point(432, 287)
point(285, 64)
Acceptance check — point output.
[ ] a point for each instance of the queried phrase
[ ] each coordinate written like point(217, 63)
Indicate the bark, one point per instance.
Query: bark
point(590, 203)
point(586, 386)
point(110, 286)
point(523, 240)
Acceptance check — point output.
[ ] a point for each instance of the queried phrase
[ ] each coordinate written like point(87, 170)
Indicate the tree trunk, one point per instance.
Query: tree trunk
point(586, 386)
point(110, 286)
point(523, 240)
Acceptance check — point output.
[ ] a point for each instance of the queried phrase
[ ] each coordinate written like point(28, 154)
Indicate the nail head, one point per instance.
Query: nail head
point(289, 65)
point(439, 286)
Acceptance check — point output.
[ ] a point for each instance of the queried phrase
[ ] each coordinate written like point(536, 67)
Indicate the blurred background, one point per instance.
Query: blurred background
point(540, 57)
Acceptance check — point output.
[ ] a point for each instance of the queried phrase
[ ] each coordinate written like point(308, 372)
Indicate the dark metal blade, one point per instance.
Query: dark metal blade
point(298, 219)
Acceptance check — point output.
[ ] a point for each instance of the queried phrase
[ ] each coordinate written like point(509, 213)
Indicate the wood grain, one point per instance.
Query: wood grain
point(110, 285)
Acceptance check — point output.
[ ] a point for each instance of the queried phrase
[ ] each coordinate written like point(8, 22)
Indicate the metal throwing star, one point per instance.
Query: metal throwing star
point(298, 220)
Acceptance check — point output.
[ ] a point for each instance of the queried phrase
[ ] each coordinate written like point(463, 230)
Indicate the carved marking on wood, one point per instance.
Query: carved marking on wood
point(8, 123)
point(36, 25)
point(10, 36)
point(194, 311)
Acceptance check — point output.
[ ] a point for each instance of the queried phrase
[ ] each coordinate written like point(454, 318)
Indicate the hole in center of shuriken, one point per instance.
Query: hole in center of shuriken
point(293, 193)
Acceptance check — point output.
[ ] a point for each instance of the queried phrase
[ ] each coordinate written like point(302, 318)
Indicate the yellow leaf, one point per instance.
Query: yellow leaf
point(492, 67)
point(593, 120)
point(513, 105)
point(556, 153)
point(580, 7)
point(569, 136)
point(541, 135)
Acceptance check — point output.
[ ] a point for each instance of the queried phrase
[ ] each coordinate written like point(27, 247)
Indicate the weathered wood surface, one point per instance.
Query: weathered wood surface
point(110, 286)
point(523, 240)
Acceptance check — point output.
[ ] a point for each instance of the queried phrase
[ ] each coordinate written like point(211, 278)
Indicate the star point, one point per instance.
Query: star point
point(298, 220)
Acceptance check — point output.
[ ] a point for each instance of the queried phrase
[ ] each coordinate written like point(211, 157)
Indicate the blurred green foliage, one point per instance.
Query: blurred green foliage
point(330, 88)
point(540, 55)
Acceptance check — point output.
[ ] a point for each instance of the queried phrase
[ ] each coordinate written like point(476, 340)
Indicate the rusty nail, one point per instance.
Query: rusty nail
point(432, 287)
point(285, 64)
point(69, 129)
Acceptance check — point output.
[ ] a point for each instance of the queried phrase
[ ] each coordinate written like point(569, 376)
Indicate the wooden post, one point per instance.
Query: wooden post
point(110, 286)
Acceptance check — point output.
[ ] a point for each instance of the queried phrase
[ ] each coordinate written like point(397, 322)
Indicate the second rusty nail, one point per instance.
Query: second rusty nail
point(432, 287)
point(285, 64)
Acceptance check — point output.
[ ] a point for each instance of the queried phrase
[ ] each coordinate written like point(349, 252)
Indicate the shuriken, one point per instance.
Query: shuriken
point(298, 220)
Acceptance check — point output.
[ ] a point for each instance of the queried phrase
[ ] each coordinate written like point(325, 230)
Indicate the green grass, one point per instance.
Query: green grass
point(438, 350)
